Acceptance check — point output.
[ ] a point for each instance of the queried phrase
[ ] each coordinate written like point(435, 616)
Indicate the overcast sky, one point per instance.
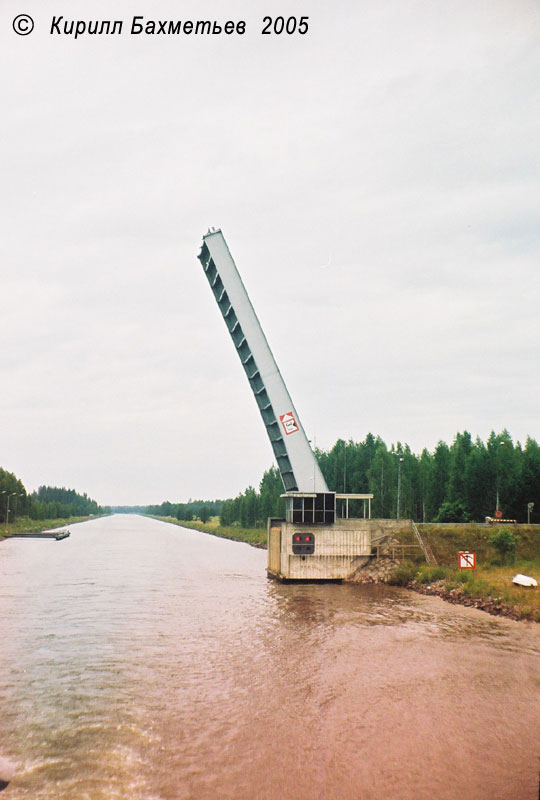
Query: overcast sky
point(377, 181)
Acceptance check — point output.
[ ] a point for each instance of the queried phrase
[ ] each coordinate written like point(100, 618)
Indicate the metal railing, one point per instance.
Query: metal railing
point(395, 551)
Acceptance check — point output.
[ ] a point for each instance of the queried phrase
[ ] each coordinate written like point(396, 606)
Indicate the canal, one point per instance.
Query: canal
point(145, 661)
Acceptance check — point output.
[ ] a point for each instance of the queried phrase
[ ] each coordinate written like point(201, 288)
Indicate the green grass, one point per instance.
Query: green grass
point(253, 536)
point(427, 574)
point(497, 582)
point(447, 540)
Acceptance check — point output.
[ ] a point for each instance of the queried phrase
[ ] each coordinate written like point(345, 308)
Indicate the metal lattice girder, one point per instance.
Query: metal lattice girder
point(295, 459)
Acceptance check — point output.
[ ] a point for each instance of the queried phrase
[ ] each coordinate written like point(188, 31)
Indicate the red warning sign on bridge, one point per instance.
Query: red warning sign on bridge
point(289, 423)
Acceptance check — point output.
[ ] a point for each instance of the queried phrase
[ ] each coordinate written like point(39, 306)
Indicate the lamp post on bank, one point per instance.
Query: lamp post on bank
point(16, 506)
point(399, 486)
point(344, 478)
point(9, 494)
point(497, 507)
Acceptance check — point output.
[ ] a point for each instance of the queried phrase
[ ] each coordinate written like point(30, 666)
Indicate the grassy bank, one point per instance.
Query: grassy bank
point(253, 536)
point(489, 586)
point(25, 524)
point(447, 540)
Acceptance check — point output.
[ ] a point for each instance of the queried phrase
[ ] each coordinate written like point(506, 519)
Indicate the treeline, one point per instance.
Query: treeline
point(455, 483)
point(48, 502)
point(193, 509)
point(251, 508)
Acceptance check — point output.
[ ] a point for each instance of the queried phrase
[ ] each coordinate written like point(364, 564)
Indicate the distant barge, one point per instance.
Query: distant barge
point(58, 535)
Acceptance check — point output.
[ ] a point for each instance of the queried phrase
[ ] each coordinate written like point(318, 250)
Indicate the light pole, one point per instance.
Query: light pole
point(344, 477)
point(399, 485)
point(530, 507)
point(13, 494)
point(20, 494)
point(5, 491)
point(497, 466)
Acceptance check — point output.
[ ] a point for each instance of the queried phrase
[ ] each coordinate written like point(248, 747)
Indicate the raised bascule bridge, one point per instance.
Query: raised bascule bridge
point(313, 541)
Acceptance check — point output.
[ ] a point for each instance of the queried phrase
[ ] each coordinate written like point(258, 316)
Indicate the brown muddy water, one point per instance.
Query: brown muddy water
point(145, 661)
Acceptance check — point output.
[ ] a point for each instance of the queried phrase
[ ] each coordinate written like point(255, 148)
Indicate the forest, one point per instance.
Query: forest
point(47, 503)
point(462, 482)
point(198, 509)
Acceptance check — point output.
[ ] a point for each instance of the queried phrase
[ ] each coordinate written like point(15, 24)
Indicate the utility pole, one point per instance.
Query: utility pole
point(20, 494)
point(399, 485)
point(344, 477)
point(497, 506)
point(7, 503)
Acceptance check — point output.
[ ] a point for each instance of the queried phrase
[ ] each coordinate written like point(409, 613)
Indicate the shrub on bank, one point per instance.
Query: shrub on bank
point(427, 575)
point(403, 574)
point(407, 572)
point(505, 543)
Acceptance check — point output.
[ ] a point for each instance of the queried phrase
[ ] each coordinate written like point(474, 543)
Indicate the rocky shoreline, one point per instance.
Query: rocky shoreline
point(378, 570)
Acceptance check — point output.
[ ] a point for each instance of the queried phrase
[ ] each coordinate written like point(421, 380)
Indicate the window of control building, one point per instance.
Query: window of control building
point(320, 509)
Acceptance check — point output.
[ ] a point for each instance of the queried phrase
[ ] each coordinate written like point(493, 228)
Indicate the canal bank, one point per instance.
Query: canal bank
point(491, 604)
point(490, 590)
point(27, 525)
point(256, 537)
point(501, 552)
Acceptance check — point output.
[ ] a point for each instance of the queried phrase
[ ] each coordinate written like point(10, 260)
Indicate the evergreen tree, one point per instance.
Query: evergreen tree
point(530, 479)
point(478, 482)
point(440, 474)
point(380, 477)
point(457, 482)
point(270, 488)
point(425, 467)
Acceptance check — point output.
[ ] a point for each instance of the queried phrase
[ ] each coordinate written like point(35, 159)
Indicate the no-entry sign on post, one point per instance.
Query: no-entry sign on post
point(467, 560)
